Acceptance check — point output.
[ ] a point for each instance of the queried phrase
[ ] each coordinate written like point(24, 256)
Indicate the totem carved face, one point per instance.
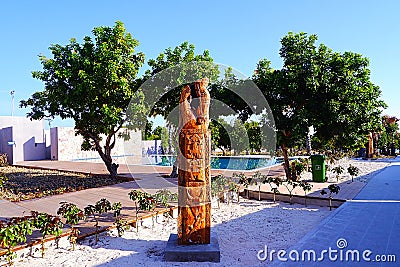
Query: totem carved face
point(200, 87)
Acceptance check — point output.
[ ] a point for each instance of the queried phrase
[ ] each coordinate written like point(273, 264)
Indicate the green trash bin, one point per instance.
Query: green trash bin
point(318, 168)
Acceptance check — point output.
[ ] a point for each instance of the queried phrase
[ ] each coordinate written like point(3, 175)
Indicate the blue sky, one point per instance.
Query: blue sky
point(237, 33)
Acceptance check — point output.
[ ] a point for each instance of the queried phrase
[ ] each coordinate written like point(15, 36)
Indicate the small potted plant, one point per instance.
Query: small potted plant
point(338, 170)
point(164, 197)
point(353, 171)
point(47, 225)
point(73, 214)
point(306, 186)
point(245, 181)
point(14, 232)
point(333, 189)
point(274, 183)
point(218, 184)
point(290, 186)
point(143, 201)
point(233, 188)
point(148, 203)
point(259, 179)
point(96, 210)
point(119, 222)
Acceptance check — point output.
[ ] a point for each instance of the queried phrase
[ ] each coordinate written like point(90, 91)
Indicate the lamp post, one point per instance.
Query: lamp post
point(12, 102)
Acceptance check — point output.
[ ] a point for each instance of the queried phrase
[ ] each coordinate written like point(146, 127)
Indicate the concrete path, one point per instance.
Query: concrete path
point(368, 226)
point(369, 222)
point(148, 178)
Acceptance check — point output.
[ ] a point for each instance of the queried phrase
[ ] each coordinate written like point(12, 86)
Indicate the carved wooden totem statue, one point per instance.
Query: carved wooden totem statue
point(194, 218)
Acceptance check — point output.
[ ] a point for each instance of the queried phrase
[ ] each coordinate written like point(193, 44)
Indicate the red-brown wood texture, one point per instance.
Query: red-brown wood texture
point(194, 219)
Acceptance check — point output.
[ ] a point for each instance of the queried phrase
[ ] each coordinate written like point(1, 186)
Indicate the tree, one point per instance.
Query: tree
point(160, 133)
point(389, 135)
point(239, 138)
point(254, 134)
point(219, 135)
point(147, 133)
point(318, 87)
point(92, 83)
point(163, 89)
point(351, 102)
point(157, 132)
point(168, 96)
point(164, 136)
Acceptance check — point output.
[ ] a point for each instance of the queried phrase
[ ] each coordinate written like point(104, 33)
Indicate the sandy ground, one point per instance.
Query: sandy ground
point(243, 229)
point(367, 170)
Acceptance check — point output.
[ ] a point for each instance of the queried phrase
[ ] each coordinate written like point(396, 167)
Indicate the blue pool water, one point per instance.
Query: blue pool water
point(223, 162)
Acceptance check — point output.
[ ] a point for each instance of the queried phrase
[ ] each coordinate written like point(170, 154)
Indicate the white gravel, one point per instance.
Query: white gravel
point(242, 229)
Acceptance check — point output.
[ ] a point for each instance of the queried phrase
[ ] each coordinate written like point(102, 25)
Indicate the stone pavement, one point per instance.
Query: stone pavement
point(370, 221)
point(148, 178)
point(361, 232)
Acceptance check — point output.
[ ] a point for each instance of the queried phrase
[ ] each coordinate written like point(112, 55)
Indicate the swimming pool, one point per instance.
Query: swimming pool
point(220, 162)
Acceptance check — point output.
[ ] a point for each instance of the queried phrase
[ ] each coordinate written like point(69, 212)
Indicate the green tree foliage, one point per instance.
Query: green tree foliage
point(159, 133)
point(164, 136)
point(229, 91)
point(318, 87)
point(254, 134)
point(239, 138)
point(227, 136)
point(147, 133)
point(219, 135)
point(162, 90)
point(92, 83)
point(166, 89)
point(388, 138)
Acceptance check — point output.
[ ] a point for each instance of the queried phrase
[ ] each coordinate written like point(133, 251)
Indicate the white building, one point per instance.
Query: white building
point(23, 140)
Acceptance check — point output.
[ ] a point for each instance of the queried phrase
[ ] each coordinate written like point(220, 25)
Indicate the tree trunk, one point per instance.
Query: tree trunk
point(174, 173)
point(293, 174)
point(106, 154)
point(223, 150)
point(286, 161)
point(111, 167)
point(392, 150)
point(308, 143)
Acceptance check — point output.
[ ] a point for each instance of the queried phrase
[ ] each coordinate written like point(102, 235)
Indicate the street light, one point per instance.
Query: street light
point(12, 102)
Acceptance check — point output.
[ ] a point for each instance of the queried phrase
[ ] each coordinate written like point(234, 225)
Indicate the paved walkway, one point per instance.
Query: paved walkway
point(148, 178)
point(369, 222)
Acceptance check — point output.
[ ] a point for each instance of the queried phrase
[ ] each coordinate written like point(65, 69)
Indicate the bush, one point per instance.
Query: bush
point(353, 171)
point(3, 160)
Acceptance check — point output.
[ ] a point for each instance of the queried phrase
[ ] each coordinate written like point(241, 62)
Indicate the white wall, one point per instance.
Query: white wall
point(66, 146)
point(32, 142)
point(28, 136)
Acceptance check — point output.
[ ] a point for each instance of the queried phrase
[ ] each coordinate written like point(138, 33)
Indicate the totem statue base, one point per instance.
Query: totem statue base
point(196, 253)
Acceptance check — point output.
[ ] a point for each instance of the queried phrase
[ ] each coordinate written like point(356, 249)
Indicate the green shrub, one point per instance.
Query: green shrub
point(73, 214)
point(353, 171)
point(3, 160)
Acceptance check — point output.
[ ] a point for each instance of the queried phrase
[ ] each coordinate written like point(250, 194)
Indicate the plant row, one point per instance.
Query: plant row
point(226, 187)
point(16, 230)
